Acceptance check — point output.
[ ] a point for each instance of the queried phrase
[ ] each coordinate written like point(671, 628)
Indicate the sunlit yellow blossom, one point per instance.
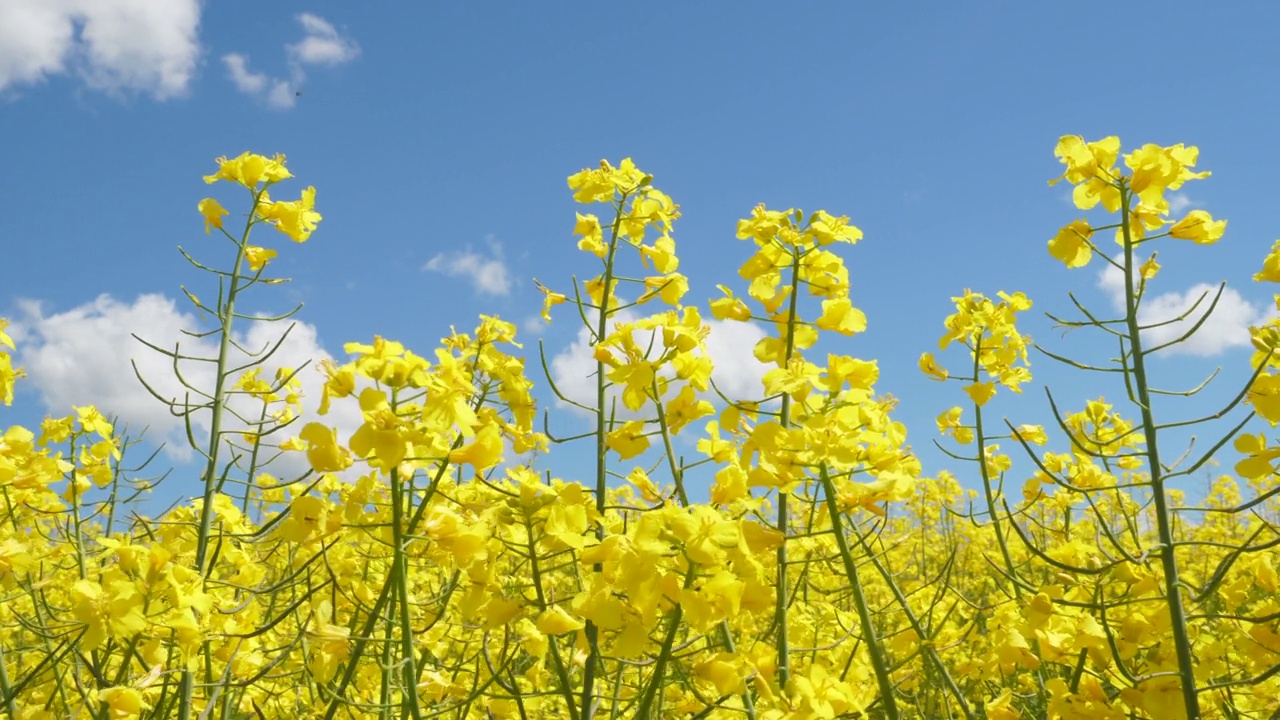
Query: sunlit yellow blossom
point(1264, 396)
point(980, 392)
point(113, 611)
point(629, 440)
point(249, 170)
point(949, 423)
point(212, 212)
point(483, 452)
point(122, 702)
point(549, 300)
point(827, 229)
point(307, 515)
point(839, 315)
point(1090, 167)
point(592, 235)
point(1149, 269)
point(1199, 227)
point(1157, 169)
point(295, 218)
point(1270, 266)
point(323, 451)
point(555, 621)
point(1071, 244)
point(258, 257)
point(1260, 460)
point(929, 366)
point(1033, 434)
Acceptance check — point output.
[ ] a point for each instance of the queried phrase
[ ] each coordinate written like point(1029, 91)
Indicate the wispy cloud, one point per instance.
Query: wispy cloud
point(488, 274)
point(321, 44)
point(1180, 201)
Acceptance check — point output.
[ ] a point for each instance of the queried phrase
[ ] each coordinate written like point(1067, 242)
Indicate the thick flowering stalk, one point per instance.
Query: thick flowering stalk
point(1164, 518)
point(297, 220)
point(816, 412)
point(1138, 197)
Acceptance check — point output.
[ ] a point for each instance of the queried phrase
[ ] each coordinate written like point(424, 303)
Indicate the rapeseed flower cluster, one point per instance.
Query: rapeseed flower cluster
point(424, 567)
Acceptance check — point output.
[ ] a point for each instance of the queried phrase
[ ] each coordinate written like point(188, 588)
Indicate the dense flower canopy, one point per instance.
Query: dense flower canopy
point(423, 566)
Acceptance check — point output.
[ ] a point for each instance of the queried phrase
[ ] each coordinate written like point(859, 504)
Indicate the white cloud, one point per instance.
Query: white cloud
point(533, 325)
point(277, 93)
point(1180, 201)
point(84, 356)
point(245, 81)
point(1227, 328)
point(488, 275)
point(736, 371)
point(282, 96)
point(321, 44)
point(111, 45)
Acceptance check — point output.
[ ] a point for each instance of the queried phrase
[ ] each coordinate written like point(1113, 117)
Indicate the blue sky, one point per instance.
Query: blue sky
point(439, 137)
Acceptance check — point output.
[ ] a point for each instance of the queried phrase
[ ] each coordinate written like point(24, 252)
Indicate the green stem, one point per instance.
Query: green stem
point(561, 672)
point(879, 663)
point(780, 599)
point(602, 479)
point(401, 575)
point(660, 665)
point(227, 312)
point(6, 688)
point(1172, 584)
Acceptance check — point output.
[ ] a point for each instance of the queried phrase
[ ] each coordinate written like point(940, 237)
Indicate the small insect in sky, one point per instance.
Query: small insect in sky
point(297, 93)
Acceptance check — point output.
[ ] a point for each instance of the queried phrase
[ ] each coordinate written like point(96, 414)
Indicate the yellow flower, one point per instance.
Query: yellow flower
point(1264, 395)
point(1156, 169)
point(121, 702)
point(1071, 244)
point(839, 315)
point(92, 421)
point(722, 672)
point(827, 229)
point(1085, 161)
point(212, 212)
point(555, 621)
point(731, 483)
point(1150, 268)
point(323, 451)
point(629, 440)
point(482, 453)
point(592, 241)
point(295, 218)
point(1270, 266)
point(980, 392)
point(341, 382)
point(549, 300)
point(112, 610)
point(380, 434)
point(1199, 227)
point(929, 366)
point(730, 307)
point(1033, 434)
point(662, 254)
point(684, 408)
point(1260, 460)
point(307, 514)
point(249, 170)
point(258, 257)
